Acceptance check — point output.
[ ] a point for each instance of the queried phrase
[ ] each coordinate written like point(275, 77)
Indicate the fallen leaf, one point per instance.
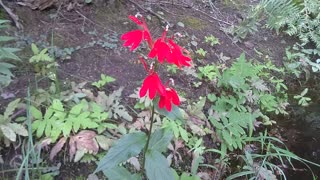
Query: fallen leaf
point(57, 148)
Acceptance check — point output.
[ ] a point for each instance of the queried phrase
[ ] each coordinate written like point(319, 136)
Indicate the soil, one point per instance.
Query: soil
point(79, 26)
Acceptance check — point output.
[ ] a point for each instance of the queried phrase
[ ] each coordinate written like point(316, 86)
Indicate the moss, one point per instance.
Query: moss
point(194, 23)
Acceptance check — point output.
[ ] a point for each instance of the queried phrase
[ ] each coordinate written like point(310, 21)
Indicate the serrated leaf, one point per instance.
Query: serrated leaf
point(157, 167)
point(121, 173)
point(160, 140)
point(127, 146)
point(18, 129)
point(183, 134)
point(10, 108)
point(34, 49)
point(226, 136)
point(8, 133)
point(35, 113)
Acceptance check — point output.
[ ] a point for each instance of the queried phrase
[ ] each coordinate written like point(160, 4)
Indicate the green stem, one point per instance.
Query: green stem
point(148, 140)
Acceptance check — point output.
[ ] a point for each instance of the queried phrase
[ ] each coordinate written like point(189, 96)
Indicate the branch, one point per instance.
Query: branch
point(13, 16)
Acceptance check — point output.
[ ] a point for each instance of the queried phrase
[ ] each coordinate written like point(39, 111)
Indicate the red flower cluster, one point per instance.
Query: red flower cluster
point(165, 49)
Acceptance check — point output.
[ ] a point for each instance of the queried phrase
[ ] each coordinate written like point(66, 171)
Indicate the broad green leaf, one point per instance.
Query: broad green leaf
point(121, 173)
point(157, 167)
point(174, 114)
point(127, 146)
point(8, 132)
point(160, 139)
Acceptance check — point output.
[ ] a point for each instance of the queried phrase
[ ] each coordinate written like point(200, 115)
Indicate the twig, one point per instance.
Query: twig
point(13, 16)
point(163, 20)
point(214, 18)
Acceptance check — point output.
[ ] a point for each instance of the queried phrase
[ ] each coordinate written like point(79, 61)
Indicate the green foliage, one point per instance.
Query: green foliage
point(58, 121)
point(201, 52)
point(172, 69)
point(6, 54)
point(209, 72)
point(299, 19)
point(105, 79)
point(130, 145)
point(44, 65)
point(127, 146)
point(244, 96)
point(211, 40)
point(266, 163)
point(157, 167)
point(303, 101)
point(9, 129)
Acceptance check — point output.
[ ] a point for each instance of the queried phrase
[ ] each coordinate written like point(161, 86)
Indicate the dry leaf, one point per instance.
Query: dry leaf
point(57, 148)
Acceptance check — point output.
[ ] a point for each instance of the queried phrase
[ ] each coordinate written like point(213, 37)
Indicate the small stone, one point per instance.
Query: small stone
point(180, 24)
point(194, 43)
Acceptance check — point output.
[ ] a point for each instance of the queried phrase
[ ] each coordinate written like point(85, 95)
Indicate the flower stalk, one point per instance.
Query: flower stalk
point(148, 140)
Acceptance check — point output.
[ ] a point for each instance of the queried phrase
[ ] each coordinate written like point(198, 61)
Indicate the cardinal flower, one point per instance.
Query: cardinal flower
point(134, 38)
point(160, 48)
point(152, 83)
point(171, 96)
point(177, 57)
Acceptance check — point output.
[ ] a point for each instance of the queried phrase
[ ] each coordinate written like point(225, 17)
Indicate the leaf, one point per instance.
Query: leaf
point(57, 148)
point(8, 132)
point(157, 167)
point(34, 49)
point(127, 146)
point(35, 113)
point(184, 134)
point(104, 142)
point(10, 108)
point(160, 139)
point(79, 154)
point(174, 114)
point(18, 129)
point(121, 173)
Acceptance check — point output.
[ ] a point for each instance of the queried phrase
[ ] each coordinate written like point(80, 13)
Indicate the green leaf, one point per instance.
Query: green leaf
point(157, 167)
point(174, 114)
point(34, 49)
point(127, 146)
point(10, 108)
point(35, 113)
point(18, 129)
point(160, 139)
point(121, 173)
point(8, 132)
point(184, 134)
point(6, 38)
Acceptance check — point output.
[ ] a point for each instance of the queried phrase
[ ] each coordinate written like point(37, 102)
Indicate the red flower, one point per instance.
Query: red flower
point(170, 96)
point(160, 49)
point(134, 38)
point(152, 83)
point(177, 57)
